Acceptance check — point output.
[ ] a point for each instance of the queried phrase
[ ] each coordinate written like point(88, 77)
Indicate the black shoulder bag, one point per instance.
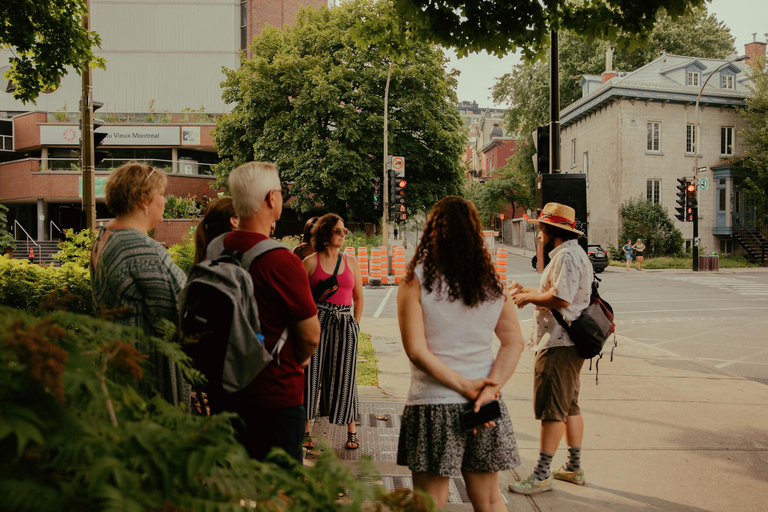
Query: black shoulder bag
point(326, 287)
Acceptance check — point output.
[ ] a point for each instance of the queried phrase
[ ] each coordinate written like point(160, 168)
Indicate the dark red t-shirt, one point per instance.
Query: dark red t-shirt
point(281, 287)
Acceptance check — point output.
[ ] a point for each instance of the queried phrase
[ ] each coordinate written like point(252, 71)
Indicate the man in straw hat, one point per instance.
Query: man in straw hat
point(566, 285)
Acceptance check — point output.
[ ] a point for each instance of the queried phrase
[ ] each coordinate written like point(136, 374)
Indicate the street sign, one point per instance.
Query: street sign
point(398, 163)
point(525, 217)
point(703, 184)
point(501, 216)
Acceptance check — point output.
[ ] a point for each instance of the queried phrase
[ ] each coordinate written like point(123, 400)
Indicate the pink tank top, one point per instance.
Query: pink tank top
point(346, 279)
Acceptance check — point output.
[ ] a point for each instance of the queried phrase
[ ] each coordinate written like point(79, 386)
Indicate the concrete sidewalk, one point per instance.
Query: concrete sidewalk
point(662, 432)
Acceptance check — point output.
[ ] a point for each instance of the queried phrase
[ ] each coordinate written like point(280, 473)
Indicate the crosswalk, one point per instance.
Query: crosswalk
point(743, 285)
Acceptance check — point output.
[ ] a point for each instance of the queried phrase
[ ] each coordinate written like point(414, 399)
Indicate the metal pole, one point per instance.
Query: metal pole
point(385, 181)
point(86, 135)
point(554, 104)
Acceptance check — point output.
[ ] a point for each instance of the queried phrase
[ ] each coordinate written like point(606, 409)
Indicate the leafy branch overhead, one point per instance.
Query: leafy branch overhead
point(45, 38)
point(501, 26)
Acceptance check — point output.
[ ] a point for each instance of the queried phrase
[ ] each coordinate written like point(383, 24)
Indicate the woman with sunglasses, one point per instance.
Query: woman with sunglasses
point(131, 270)
point(338, 290)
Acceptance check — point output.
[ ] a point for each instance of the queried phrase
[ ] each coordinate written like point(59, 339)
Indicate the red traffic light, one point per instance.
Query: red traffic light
point(691, 187)
point(401, 183)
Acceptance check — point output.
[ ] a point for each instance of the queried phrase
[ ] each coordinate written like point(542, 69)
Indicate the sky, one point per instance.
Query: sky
point(480, 71)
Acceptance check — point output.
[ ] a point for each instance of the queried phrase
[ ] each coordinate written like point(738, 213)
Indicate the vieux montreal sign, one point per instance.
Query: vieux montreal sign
point(116, 135)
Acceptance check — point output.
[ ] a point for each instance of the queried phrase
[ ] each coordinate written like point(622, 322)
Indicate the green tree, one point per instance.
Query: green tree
point(753, 168)
point(641, 218)
point(312, 100)
point(45, 38)
point(76, 247)
point(6, 239)
point(499, 26)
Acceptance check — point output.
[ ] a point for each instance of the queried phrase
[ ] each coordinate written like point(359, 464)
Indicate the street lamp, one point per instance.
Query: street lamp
point(697, 136)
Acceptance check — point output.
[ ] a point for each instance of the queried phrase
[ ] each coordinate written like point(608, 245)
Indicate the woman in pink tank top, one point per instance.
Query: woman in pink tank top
point(339, 315)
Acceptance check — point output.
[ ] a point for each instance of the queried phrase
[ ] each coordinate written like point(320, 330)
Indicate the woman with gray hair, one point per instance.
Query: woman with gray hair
point(131, 270)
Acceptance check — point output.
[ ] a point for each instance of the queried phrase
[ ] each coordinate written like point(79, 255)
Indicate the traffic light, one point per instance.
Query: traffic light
point(376, 193)
point(541, 143)
point(690, 201)
point(682, 192)
point(98, 137)
point(399, 199)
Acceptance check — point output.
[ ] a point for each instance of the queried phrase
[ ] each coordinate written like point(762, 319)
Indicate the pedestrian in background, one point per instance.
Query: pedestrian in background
point(272, 405)
point(130, 269)
point(305, 249)
point(627, 248)
point(449, 305)
point(219, 217)
point(395, 232)
point(337, 287)
point(638, 248)
point(566, 285)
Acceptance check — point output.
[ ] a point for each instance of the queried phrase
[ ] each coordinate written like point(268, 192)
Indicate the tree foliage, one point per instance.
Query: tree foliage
point(499, 26)
point(312, 100)
point(76, 247)
point(6, 239)
point(641, 218)
point(77, 435)
point(45, 38)
point(753, 168)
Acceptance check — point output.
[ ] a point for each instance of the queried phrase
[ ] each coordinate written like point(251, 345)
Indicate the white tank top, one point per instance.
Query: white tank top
point(460, 336)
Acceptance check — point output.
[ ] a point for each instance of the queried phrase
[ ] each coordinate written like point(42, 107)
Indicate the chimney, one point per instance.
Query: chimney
point(756, 52)
point(609, 72)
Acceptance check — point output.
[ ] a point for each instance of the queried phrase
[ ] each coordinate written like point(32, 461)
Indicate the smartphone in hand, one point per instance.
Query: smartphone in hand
point(489, 411)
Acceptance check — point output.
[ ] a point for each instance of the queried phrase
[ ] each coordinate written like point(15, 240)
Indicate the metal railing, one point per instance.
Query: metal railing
point(140, 117)
point(15, 225)
point(69, 164)
point(52, 225)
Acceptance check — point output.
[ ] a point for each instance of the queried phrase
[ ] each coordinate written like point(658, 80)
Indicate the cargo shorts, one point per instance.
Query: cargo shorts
point(556, 383)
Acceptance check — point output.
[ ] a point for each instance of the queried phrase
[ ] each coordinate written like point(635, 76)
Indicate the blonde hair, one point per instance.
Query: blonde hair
point(249, 185)
point(131, 185)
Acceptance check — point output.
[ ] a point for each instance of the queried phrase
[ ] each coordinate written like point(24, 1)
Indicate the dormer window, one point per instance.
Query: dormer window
point(693, 78)
point(728, 82)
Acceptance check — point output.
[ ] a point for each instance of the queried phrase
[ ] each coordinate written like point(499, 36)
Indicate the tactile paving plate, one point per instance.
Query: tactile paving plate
point(378, 437)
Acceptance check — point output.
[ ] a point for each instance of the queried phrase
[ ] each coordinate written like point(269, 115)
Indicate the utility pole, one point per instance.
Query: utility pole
point(385, 180)
point(554, 104)
point(86, 135)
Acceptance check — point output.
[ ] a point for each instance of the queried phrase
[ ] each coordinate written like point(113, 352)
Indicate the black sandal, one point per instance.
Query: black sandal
point(308, 442)
point(352, 439)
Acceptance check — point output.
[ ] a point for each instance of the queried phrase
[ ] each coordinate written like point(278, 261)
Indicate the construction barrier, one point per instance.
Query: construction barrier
point(375, 263)
point(362, 260)
point(384, 264)
point(398, 263)
point(501, 264)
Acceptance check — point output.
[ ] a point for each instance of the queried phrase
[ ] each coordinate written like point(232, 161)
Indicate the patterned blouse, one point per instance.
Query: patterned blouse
point(136, 271)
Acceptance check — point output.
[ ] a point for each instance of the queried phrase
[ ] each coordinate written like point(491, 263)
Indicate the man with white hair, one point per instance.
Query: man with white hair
point(272, 405)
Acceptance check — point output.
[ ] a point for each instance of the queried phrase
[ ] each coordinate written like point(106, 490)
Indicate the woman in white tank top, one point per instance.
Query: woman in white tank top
point(449, 304)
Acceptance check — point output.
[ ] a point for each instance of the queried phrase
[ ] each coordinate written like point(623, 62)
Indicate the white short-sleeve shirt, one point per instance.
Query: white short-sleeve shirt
point(569, 276)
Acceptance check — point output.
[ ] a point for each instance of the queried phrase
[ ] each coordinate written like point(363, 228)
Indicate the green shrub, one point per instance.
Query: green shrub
point(183, 254)
point(35, 288)
point(181, 207)
point(641, 218)
point(77, 435)
point(6, 239)
point(76, 247)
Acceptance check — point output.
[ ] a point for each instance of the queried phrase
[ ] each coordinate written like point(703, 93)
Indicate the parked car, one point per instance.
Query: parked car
point(598, 257)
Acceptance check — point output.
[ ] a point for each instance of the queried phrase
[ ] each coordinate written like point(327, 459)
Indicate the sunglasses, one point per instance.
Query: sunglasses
point(340, 231)
point(150, 174)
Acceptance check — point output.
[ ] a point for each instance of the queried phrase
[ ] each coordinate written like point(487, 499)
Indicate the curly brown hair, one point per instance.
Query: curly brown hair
point(454, 255)
point(322, 232)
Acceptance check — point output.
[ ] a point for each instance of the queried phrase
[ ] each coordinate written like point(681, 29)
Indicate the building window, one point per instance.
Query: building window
point(693, 78)
point(573, 153)
point(726, 140)
point(243, 25)
point(690, 138)
point(727, 81)
point(721, 202)
point(586, 166)
point(6, 135)
point(726, 246)
point(654, 137)
point(652, 191)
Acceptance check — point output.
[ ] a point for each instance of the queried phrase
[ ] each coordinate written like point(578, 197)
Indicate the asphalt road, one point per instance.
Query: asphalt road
point(718, 319)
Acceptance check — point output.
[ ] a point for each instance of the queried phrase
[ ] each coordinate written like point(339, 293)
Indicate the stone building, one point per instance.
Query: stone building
point(633, 134)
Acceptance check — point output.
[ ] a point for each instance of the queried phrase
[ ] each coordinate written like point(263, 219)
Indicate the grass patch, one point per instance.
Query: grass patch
point(686, 263)
point(367, 369)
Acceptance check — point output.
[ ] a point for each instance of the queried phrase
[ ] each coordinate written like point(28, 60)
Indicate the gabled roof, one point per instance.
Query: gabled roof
point(682, 65)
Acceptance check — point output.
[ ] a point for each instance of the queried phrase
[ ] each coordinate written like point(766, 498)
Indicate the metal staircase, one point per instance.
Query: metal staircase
point(43, 251)
point(753, 242)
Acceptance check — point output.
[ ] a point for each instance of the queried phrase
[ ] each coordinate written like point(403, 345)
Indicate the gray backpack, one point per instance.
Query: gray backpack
point(220, 319)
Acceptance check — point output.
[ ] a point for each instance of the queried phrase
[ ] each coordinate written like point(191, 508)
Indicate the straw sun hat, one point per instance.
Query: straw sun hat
point(559, 216)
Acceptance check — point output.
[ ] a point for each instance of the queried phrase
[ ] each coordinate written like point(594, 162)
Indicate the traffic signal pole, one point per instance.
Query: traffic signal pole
point(86, 136)
point(385, 181)
point(554, 104)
